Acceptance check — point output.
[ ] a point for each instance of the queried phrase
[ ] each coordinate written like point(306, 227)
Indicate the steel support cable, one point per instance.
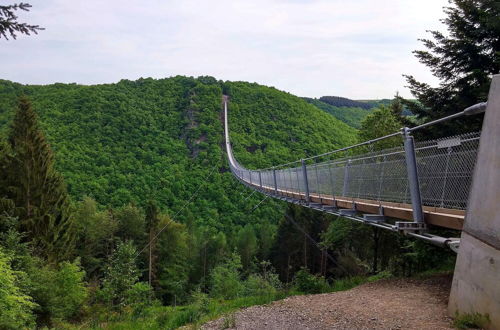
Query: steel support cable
point(172, 219)
point(305, 233)
point(253, 192)
point(315, 243)
point(258, 204)
point(472, 110)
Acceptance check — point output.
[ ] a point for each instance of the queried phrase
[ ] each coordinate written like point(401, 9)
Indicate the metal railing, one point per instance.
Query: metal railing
point(435, 173)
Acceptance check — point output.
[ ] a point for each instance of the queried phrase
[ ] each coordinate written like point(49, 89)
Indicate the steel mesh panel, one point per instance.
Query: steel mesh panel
point(445, 168)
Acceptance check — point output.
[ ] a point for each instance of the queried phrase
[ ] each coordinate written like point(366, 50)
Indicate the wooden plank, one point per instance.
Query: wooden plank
point(442, 217)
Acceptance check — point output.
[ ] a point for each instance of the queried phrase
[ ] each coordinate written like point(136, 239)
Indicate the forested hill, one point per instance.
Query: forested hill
point(350, 115)
point(158, 139)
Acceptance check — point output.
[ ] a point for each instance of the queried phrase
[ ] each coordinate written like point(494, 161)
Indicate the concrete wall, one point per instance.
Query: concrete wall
point(476, 281)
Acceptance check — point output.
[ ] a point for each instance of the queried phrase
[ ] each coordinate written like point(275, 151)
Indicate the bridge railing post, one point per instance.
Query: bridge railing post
point(411, 168)
point(346, 178)
point(275, 182)
point(306, 182)
point(260, 179)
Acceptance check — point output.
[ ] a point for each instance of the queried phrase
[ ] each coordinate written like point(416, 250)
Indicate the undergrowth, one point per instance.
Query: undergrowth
point(471, 321)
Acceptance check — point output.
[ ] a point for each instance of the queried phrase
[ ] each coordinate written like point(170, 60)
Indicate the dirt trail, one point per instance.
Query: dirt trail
point(387, 304)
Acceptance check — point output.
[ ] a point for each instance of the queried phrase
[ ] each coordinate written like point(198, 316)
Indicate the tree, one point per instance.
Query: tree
point(379, 123)
point(36, 188)
point(131, 223)
point(60, 291)
point(121, 274)
point(15, 306)
point(247, 246)
point(172, 264)
point(464, 60)
point(152, 221)
point(96, 234)
point(9, 24)
point(225, 278)
point(396, 106)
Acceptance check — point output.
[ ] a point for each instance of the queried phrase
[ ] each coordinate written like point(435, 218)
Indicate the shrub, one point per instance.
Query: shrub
point(225, 278)
point(15, 306)
point(60, 291)
point(265, 284)
point(306, 282)
point(121, 275)
point(139, 297)
point(471, 321)
point(256, 285)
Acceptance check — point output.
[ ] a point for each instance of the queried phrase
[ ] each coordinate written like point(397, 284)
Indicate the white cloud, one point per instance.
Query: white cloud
point(357, 49)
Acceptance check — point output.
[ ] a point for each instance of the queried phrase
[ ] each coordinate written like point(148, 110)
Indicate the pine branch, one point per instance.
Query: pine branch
point(9, 26)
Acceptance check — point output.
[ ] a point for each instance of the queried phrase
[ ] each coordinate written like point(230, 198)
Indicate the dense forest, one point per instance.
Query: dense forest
point(352, 116)
point(118, 210)
point(338, 101)
point(142, 161)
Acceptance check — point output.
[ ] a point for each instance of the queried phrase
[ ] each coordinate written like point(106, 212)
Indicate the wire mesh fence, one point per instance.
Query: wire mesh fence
point(444, 168)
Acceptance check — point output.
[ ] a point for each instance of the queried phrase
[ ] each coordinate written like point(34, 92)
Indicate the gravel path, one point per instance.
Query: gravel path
point(386, 304)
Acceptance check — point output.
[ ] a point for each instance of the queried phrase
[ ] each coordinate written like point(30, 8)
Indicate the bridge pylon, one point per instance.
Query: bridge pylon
point(476, 281)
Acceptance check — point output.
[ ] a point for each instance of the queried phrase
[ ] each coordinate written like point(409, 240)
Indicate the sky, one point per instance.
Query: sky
point(358, 49)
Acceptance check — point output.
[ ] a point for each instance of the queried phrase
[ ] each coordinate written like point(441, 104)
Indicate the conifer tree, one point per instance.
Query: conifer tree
point(464, 59)
point(152, 221)
point(36, 188)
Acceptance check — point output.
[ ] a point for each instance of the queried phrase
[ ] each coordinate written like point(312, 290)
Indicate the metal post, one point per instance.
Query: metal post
point(306, 182)
point(317, 183)
point(298, 180)
point(332, 180)
point(275, 182)
point(260, 180)
point(346, 178)
point(411, 167)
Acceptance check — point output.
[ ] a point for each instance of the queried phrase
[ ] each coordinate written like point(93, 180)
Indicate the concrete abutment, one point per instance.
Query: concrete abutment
point(476, 281)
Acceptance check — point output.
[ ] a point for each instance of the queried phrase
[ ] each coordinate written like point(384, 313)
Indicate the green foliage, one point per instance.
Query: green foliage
point(471, 321)
point(352, 115)
point(173, 268)
point(9, 24)
point(131, 223)
point(339, 101)
point(463, 59)
point(60, 291)
point(15, 305)
point(225, 279)
point(121, 275)
point(36, 188)
point(306, 282)
point(381, 122)
point(139, 296)
point(229, 321)
point(247, 245)
point(95, 235)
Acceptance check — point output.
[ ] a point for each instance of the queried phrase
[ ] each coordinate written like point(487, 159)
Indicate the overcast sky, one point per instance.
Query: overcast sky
point(357, 49)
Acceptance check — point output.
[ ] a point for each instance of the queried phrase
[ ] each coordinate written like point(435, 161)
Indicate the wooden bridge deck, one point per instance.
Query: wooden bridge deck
point(442, 217)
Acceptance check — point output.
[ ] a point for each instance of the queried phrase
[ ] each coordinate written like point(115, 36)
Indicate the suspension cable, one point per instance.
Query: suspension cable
point(172, 219)
point(288, 217)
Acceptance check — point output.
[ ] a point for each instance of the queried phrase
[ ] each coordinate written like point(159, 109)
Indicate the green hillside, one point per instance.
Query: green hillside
point(136, 140)
point(352, 116)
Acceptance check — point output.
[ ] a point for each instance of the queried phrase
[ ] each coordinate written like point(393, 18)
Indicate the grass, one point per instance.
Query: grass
point(202, 310)
point(169, 317)
point(471, 321)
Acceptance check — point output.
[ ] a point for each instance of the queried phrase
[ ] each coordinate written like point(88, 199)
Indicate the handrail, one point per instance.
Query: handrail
point(472, 110)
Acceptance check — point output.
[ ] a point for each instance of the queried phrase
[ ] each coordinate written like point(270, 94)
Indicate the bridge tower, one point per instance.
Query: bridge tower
point(476, 281)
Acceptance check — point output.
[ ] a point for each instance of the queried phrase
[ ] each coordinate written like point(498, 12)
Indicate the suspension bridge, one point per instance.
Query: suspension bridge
point(452, 182)
point(404, 188)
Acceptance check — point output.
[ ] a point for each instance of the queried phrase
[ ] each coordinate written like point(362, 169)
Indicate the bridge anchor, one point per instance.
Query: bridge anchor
point(476, 281)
